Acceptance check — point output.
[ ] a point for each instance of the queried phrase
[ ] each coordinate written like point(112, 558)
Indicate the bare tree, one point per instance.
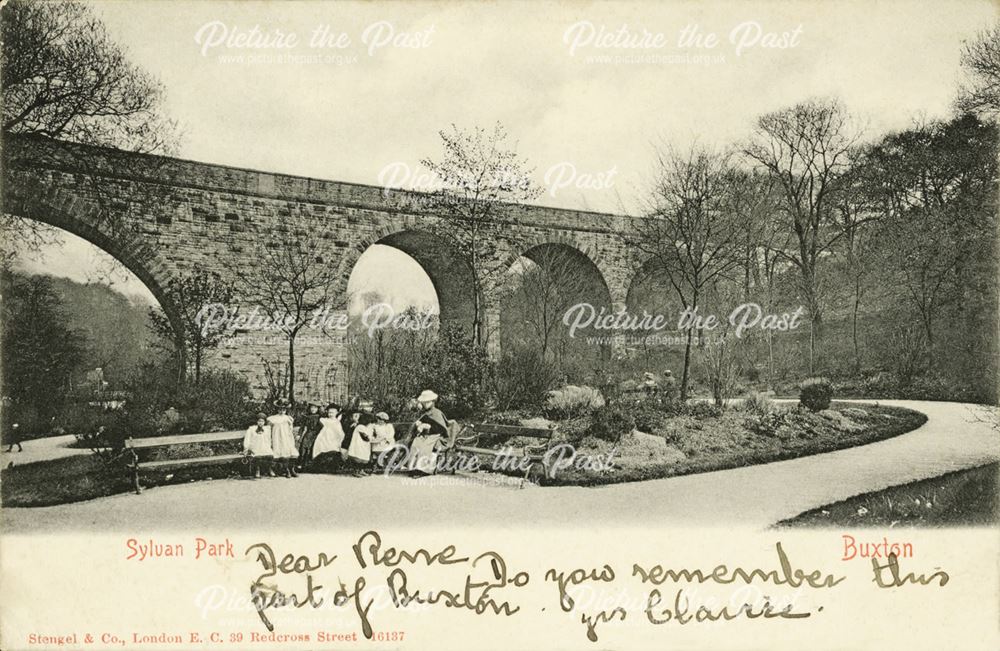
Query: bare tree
point(190, 294)
point(935, 185)
point(480, 175)
point(547, 286)
point(981, 59)
point(689, 235)
point(856, 209)
point(806, 148)
point(293, 277)
point(64, 78)
point(755, 203)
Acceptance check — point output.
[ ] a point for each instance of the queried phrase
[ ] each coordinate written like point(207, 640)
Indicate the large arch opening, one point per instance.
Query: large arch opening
point(77, 329)
point(554, 293)
point(656, 351)
point(402, 291)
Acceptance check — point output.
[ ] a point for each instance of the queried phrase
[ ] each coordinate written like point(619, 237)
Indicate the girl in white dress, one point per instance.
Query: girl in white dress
point(283, 438)
point(257, 445)
point(331, 436)
point(384, 436)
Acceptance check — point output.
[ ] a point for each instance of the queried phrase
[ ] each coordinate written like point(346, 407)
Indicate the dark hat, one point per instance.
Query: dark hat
point(281, 403)
point(333, 405)
point(261, 415)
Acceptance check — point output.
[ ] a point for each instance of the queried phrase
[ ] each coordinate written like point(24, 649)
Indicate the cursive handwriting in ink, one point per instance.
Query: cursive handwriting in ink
point(269, 596)
point(576, 577)
point(896, 581)
point(680, 613)
point(392, 557)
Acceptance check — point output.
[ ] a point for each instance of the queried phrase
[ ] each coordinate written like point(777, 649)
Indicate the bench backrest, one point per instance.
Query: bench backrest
point(158, 441)
point(494, 429)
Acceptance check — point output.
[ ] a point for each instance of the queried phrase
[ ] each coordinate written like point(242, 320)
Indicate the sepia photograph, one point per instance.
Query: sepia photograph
point(286, 268)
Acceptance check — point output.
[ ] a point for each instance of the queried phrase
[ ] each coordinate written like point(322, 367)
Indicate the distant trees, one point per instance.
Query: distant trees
point(479, 173)
point(546, 286)
point(41, 351)
point(805, 149)
point(892, 243)
point(935, 185)
point(690, 233)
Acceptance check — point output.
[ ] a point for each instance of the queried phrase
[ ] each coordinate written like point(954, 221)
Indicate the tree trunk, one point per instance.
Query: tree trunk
point(291, 367)
point(687, 364)
point(854, 327)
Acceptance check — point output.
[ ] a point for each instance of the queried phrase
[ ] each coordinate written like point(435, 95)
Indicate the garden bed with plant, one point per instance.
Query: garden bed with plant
point(962, 498)
point(652, 438)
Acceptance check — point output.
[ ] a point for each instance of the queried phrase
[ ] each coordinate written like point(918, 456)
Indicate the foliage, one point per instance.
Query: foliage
point(41, 351)
point(384, 365)
point(765, 423)
point(758, 403)
point(690, 235)
point(162, 405)
point(611, 422)
point(523, 380)
point(816, 393)
point(571, 400)
point(547, 281)
point(460, 372)
point(804, 149)
point(700, 409)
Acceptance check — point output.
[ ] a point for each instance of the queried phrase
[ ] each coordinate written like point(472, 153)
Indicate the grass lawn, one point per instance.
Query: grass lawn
point(963, 498)
point(85, 477)
point(682, 445)
point(70, 479)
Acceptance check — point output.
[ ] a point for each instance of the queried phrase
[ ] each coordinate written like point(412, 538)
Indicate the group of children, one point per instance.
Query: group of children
point(356, 437)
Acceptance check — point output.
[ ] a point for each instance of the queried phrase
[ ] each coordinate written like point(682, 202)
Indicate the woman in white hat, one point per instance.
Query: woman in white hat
point(428, 432)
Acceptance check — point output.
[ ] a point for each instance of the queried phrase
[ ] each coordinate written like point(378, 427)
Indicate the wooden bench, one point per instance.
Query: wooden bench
point(134, 447)
point(474, 439)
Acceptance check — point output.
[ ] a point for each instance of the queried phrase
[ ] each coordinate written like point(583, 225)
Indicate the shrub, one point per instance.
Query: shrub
point(460, 372)
point(765, 424)
point(816, 393)
point(701, 410)
point(649, 415)
point(611, 422)
point(758, 403)
point(523, 379)
point(572, 400)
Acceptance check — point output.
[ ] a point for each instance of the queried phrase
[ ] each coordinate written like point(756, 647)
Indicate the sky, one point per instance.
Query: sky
point(586, 90)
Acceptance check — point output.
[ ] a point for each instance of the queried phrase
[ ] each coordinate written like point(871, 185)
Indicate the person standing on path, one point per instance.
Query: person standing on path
point(310, 429)
point(257, 445)
point(283, 438)
point(14, 438)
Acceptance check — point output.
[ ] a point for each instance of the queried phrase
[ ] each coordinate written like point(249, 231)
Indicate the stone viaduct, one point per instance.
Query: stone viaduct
point(189, 216)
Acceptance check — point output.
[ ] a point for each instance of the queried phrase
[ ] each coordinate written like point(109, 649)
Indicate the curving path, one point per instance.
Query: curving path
point(956, 436)
point(43, 449)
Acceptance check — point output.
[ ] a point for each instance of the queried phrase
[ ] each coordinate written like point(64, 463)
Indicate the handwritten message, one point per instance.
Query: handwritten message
point(374, 577)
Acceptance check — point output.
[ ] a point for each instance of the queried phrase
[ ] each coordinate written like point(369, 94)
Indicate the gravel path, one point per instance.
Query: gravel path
point(953, 438)
point(52, 447)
